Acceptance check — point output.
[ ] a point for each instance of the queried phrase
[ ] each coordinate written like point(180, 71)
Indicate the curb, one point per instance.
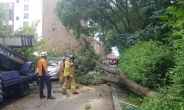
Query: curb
point(115, 99)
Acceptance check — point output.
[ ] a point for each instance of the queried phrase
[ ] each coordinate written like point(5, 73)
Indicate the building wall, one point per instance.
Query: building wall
point(22, 8)
point(59, 39)
point(98, 47)
point(9, 20)
point(27, 12)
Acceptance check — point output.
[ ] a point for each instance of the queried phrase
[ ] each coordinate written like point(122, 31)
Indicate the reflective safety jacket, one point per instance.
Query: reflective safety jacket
point(61, 67)
point(69, 68)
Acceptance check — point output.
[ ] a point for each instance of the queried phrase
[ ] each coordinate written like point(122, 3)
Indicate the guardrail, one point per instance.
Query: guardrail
point(16, 42)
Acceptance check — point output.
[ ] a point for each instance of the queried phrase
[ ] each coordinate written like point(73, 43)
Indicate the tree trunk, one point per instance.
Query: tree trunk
point(129, 84)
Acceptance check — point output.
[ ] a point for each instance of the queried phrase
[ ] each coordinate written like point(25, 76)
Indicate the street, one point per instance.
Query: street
point(90, 97)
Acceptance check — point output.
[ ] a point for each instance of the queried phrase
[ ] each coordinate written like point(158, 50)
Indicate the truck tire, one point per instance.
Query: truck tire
point(24, 89)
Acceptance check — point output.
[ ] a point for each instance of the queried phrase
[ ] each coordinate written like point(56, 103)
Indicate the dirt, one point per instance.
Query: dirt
point(89, 97)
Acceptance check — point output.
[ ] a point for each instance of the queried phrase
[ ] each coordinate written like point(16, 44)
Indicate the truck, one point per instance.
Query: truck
point(16, 72)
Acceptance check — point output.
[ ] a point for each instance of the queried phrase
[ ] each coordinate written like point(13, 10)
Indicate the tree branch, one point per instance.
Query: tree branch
point(119, 17)
point(112, 71)
point(114, 24)
point(129, 84)
point(110, 80)
point(126, 13)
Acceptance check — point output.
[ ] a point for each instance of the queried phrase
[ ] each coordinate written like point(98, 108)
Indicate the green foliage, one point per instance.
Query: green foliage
point(28, 30)
point(84, 61)
point(34, 51)
point(87, 107)
point(117, 24)
point(92, 78)
point(86, 79)
point(177, 75)
point(133, 99)
point(112, 21)
point(174, 18)
point(147, 63)
point(39, 46)
point(3, 28)
point(84, 58)
point(159, 103)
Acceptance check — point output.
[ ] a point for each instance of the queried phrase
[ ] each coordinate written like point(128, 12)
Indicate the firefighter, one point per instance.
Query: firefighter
point(69, 78)
point(61, 69)
point(44, 76)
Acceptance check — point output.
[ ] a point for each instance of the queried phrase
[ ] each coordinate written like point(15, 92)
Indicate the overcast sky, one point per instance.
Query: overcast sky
point(6, 1)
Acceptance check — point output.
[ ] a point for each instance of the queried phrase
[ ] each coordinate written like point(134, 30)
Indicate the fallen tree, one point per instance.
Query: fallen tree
point(129, 84)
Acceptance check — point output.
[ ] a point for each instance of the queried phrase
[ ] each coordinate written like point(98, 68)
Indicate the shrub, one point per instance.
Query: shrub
point(160, 103)
point(147, 63)
point(177, 75)
point(92, 78)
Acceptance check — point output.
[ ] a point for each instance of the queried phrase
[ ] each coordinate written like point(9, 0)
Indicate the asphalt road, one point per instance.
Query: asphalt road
point(101, 97)
point(90, 97)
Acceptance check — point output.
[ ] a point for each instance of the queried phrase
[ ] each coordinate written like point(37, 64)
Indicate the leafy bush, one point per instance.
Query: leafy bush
point(84, 63)
point(177, 75)
point(147, 63)
point(159, 103)
point(93, 78)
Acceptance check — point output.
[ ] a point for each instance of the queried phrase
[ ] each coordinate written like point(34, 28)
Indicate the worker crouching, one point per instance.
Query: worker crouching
point(69, 76)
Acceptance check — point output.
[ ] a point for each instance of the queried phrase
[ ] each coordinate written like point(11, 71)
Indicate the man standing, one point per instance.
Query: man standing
point(44, 76)
point(69, 75)
point(61, 69)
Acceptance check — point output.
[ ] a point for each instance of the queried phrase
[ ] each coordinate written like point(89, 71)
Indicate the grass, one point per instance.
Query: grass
point(87, 107)
point(133, 99)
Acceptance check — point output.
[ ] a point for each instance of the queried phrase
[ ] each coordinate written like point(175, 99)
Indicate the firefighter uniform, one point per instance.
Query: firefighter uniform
point(69, 76)
point(61, 70)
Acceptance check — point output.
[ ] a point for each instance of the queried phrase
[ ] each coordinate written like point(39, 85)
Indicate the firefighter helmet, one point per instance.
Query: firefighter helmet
point(71, 56)
point(63, 58)
point(43, 54)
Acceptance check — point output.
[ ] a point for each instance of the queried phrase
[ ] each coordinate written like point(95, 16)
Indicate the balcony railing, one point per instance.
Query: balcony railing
point(18, 42)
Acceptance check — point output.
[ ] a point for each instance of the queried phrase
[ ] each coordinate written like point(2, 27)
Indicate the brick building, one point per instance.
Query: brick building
point(98, 47)
point(59, 39)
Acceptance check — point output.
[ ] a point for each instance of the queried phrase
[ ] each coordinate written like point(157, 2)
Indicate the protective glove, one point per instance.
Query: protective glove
point(49, 75)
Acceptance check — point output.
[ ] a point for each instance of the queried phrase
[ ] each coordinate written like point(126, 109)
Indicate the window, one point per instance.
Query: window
point(26, 16)
point(10, 22)
point(17, 18)
point(10, 14)
point(17, 1)
point(10, 6)
point(26, 7)
point(25, 23)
